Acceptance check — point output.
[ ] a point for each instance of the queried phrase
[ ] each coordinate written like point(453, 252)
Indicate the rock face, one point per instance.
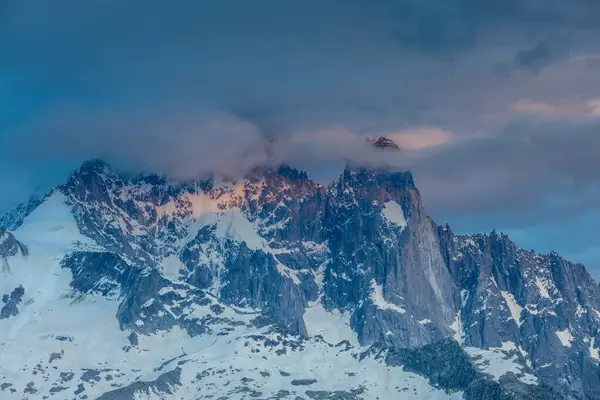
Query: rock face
point(355, 269)
point(11, 301)
point(9, 246)
point(385, 267)
point(542, 304)
point(13, 219)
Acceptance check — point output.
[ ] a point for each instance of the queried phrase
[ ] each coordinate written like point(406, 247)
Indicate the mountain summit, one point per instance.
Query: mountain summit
point(383, 142)
point(278, 287)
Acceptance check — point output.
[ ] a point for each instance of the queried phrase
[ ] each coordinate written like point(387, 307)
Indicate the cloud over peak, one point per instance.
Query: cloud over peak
point(494, 102)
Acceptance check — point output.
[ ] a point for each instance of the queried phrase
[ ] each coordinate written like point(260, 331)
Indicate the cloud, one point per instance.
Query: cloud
point(543, 54)
point(486, 97)
point(280, 68)
point(528, 170)
point(383, 65)
point(587, 108)
point(536, 178)
point(188, 144)
point(336, 146)
point(183, 144)
point(420, 137)
point(592, 62)
point(544, 31)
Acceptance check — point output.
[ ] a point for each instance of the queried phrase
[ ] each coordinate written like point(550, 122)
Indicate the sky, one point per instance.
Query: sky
point(495, 103)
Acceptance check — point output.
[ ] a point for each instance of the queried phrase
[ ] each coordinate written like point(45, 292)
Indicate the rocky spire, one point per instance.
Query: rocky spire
point(382, 143)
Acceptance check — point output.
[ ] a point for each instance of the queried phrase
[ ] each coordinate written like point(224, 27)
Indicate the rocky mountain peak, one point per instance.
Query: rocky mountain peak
point(95, 165)
point(383, 143)
point(275, 264)
point(13, 218)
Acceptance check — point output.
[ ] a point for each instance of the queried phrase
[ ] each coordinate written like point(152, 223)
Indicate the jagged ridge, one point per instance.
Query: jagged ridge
point(358, 260)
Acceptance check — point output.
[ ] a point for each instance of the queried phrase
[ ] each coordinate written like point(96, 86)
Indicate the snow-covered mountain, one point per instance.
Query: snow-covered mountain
point(277, 287)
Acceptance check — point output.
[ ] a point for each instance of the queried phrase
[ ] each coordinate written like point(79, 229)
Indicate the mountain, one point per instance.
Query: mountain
point(382, 142)
point(277, 287)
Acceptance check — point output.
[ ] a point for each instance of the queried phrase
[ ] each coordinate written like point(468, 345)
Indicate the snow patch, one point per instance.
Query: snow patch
point(148, 303)
point(376, 297)
point(499, 361)
point(235, 226)
point(565, 337)
point(51, 227)
point(532, 309)
point(393, 212)
point(288, 272)
point(50, 232)
point(506, 346)
point(171, 266)
point(514, 308)
point(456, 326)
point(541, 285)
point(312, 247)
point(332, 325)
point(594, 351)
point(464, 297)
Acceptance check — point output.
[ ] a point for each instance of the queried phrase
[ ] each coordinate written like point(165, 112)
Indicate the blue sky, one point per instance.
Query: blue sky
point(496, 103)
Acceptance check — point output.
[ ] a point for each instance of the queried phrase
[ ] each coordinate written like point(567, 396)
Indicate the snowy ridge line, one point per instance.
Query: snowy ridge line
point(206, 263)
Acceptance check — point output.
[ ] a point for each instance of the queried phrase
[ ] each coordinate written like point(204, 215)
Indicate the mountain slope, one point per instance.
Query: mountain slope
point(217, 288)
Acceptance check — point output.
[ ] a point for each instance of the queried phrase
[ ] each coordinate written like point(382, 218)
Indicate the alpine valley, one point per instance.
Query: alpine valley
point(278, 287)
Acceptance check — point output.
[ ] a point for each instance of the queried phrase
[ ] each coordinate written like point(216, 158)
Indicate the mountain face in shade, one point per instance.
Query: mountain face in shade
point(277, 287)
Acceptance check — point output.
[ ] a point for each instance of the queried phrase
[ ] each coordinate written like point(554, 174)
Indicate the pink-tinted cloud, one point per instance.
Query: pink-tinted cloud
point(420, 137)
point(586, 108)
